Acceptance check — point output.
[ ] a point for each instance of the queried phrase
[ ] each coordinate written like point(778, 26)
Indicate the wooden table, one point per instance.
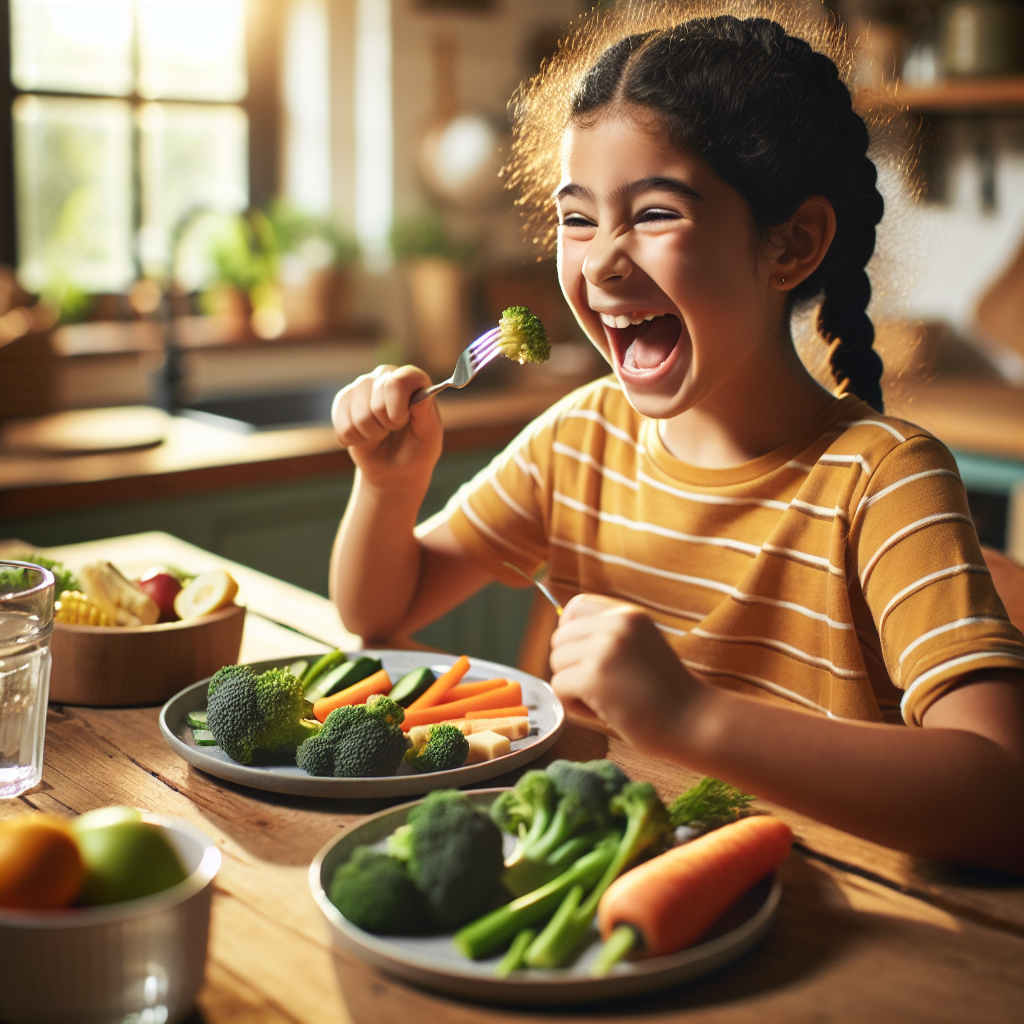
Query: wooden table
point(864, 933)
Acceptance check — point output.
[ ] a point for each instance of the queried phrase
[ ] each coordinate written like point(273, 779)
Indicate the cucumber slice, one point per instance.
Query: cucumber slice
point(197, 719)
point(342, 677)
point(322, 665)
point(203, 738)
point(297, 668)
point(411, 685)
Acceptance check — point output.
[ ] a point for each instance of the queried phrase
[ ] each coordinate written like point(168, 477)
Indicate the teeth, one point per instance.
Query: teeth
point(623, 320)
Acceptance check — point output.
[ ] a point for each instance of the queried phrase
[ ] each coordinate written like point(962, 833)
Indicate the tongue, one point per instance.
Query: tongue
point(654, 345)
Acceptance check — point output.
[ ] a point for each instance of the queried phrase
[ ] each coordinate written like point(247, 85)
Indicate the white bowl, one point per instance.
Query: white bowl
point(94, 965)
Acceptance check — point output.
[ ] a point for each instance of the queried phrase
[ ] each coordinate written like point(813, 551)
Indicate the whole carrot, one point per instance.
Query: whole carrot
point(437, 692)
point(667, 903)
point(510, 693)
point(357, 693)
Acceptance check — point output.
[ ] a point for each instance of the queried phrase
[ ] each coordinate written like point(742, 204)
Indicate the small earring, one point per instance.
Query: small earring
point(783, 280)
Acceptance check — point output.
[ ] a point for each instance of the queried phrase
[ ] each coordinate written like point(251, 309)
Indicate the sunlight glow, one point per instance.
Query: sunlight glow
point(71, 46)
point(374, 128)
point(192, 49)
point(307, 89)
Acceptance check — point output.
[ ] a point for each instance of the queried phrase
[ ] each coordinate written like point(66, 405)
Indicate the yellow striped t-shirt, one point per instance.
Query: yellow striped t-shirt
point(822, 573)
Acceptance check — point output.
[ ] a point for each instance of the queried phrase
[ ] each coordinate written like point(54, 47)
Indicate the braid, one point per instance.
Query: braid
point(842, 318)
point(773, 117)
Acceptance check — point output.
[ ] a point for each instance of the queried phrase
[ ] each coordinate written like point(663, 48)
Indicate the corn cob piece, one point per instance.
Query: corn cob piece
point(122, 600)
point(76, 609)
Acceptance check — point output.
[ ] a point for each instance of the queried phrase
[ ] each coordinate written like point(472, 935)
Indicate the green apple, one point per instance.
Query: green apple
point(104, 816)
point(125, 857)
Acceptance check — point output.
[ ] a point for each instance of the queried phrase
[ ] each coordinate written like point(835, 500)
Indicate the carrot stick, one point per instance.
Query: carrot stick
point(357, 693)
point(518, 711)
point(472, 689)
point(672, 900)
point(508, 694)
point(437, 692)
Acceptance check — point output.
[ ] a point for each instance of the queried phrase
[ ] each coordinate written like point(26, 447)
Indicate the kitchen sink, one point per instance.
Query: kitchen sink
point(246, 415)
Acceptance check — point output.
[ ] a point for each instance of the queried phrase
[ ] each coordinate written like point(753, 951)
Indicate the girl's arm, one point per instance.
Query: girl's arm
point(952, 790)
point(384, 580)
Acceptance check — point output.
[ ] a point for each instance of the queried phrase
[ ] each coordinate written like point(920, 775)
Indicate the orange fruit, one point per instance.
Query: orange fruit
point(40, 865)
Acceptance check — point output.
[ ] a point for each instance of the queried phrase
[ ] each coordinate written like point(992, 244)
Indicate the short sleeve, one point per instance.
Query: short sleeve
point(922, 573)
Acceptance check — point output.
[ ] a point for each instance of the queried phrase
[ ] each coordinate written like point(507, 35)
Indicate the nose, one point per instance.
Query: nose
point(606, 261)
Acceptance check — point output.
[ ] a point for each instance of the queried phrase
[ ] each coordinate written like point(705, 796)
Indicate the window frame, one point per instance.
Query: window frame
point(264, 24)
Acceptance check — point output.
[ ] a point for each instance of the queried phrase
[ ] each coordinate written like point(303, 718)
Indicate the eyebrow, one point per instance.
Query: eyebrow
point(633, 189)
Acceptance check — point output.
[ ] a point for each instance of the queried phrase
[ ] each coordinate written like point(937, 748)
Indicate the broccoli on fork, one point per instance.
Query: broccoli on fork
point(521, 336)
point(251, 715)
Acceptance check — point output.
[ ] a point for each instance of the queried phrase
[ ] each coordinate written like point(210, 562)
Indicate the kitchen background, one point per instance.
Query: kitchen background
point(215, 213)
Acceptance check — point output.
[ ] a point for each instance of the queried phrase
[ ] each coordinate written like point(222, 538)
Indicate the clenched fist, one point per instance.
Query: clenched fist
point(391, 442)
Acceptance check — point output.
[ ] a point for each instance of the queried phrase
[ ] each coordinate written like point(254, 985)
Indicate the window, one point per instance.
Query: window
point(128, 117)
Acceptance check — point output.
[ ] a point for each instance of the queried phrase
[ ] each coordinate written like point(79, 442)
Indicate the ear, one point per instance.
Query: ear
point(803, 240)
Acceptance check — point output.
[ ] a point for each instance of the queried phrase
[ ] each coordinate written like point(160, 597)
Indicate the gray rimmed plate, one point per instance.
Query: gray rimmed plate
point(546, 720)
point(432, 963)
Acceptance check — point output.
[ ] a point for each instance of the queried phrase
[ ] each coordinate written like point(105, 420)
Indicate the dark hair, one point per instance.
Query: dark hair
point(774, 119)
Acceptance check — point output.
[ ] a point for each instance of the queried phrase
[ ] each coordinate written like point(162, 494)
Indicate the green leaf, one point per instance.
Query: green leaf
point(708, 805)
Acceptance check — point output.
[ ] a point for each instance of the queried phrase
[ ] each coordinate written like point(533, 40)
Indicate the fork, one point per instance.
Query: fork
point(537, 583)
point(474, 357)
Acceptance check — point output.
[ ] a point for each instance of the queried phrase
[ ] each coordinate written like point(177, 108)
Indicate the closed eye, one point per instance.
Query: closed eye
point(657, 213)
point(576, 220)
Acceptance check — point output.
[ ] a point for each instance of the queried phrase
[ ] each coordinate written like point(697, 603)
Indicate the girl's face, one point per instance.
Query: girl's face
point(657, 257)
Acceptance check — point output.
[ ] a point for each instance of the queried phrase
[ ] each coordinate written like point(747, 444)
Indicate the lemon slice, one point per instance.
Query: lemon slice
point(206, 593)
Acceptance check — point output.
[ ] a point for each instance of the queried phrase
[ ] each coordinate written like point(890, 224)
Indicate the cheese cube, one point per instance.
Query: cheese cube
point(486, 746)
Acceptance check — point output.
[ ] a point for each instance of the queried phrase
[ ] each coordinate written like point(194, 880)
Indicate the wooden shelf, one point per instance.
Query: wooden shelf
point(959, 95)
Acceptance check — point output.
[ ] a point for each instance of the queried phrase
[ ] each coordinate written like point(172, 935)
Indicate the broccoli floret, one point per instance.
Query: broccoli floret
point(252, 715)
point(454, 855)
point(446, 748)
point(526, 809)
point(222, 675)
point(357, 741)
point(522, 336)
point(374, 891)
point(591, 783)
point(647, 827)
point(558, 815)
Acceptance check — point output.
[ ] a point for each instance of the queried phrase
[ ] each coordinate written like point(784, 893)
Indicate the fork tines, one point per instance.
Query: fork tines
point(485, 348)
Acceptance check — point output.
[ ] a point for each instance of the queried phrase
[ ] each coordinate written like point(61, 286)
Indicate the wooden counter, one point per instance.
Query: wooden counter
point(196, 457)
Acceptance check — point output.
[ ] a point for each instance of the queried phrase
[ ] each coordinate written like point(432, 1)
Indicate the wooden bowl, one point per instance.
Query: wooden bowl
point(105, 666)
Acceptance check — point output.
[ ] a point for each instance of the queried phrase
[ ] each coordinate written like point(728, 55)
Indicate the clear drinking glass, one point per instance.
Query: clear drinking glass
point(26, 622)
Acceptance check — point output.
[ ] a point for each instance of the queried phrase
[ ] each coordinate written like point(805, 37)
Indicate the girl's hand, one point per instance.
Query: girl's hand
point(609, 660)
point(390, 442)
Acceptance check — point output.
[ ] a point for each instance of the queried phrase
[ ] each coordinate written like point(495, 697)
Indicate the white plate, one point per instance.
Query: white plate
point(432, 962)
point(546, 720)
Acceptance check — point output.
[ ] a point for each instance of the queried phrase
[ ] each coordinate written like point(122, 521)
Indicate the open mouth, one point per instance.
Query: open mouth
point(644, 344)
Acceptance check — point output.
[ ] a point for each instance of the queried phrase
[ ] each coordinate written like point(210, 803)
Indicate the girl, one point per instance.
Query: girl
point(763, 571)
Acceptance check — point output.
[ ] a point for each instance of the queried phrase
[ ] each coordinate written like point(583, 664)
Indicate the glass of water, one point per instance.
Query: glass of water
point(26, 621)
